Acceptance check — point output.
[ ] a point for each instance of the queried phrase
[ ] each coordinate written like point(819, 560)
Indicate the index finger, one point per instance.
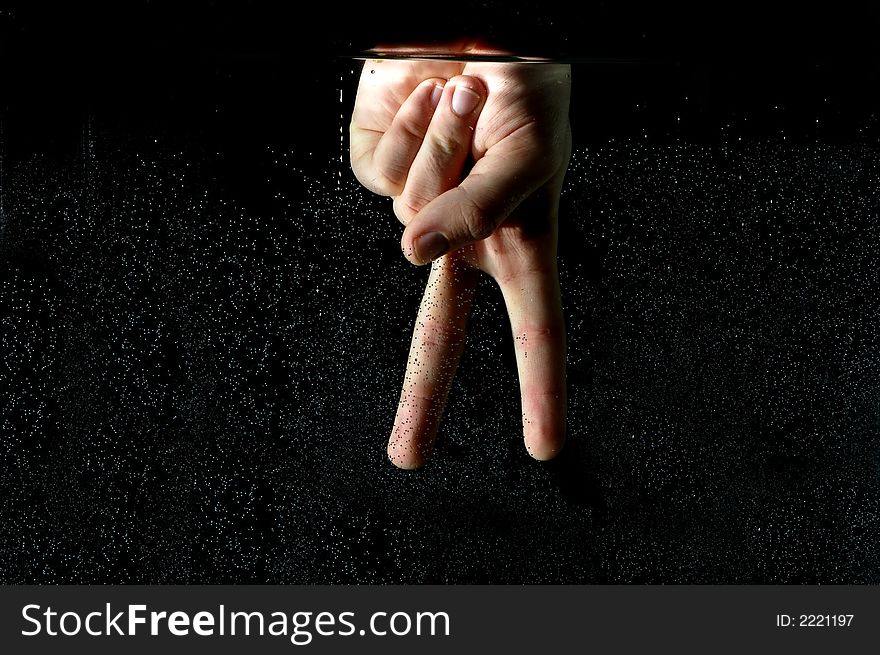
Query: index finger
point(436, 348)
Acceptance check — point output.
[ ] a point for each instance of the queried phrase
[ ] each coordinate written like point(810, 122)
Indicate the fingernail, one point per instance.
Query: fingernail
point(464, 101)
point(430, 246)
point(435, 95)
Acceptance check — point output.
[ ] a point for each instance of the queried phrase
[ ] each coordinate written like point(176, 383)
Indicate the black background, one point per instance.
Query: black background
point(205, 319)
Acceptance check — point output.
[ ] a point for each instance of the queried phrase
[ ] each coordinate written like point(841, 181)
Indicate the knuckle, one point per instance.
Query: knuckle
point(477, 225)
point(388, 181)
point(445, 146)
point(375, 177)
point(380, 184)
point(403, 209)
point(539, 334)
point(411, 130)
point(438, 335)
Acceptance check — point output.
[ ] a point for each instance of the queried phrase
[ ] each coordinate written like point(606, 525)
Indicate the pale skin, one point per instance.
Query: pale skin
point(476, 153)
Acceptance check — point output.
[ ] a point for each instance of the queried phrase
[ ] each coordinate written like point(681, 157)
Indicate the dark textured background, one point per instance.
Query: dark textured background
point(205, 320)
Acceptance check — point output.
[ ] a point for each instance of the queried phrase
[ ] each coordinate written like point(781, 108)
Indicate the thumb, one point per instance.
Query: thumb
point(510, 171)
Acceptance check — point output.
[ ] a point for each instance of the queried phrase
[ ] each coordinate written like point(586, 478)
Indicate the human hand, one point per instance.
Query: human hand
point(414, 128)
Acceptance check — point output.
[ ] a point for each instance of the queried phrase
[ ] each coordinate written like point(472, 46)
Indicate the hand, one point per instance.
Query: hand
point(414, 128)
